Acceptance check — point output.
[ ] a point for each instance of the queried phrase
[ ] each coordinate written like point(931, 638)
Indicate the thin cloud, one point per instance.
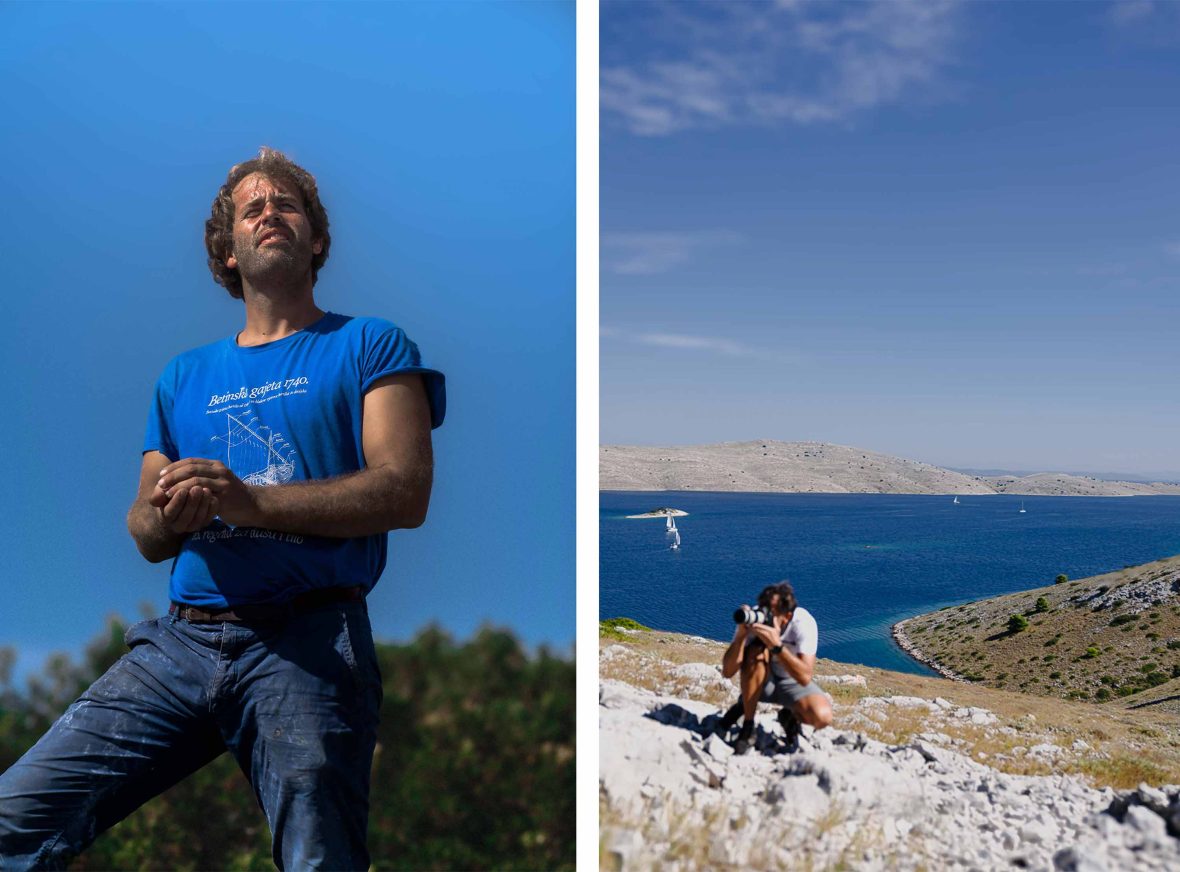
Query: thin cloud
point(651, 253)
point(1129, 11)
point(686, 342)
point(695, 343)
point(708, 65)
point(1143, 22)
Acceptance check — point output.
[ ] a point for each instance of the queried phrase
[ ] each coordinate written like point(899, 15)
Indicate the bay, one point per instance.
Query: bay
point(860, 562)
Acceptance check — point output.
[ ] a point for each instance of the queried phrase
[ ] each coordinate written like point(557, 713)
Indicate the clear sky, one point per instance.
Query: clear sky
point(442, 137)
point(947, 231)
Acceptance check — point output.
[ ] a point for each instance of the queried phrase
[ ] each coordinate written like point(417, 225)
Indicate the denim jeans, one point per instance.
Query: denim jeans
point(296, 702)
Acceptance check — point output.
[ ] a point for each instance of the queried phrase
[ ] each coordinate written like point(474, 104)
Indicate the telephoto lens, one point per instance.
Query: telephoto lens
point(751, 615)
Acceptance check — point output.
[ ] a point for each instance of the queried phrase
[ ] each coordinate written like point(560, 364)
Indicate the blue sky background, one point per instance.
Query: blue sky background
point(947, 231)
point(442, 137)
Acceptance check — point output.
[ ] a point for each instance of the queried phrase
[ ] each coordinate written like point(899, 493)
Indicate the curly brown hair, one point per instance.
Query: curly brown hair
point(786, 597)
point(219, 229)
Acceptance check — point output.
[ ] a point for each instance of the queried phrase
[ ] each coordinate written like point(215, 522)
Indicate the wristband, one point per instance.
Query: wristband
point(777, 649)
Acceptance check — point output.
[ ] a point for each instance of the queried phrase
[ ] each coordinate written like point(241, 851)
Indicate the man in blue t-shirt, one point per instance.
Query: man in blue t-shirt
point(274, 465)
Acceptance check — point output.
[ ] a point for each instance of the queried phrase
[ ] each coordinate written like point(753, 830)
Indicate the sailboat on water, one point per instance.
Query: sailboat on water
point(957, 501)
point(1021, 512)
point(669, 515)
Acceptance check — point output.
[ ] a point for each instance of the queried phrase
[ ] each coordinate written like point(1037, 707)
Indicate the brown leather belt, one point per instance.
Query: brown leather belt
point(304, 602)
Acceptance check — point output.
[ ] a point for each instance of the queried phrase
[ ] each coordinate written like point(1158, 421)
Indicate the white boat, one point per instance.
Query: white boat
point(957, 501)
point(676, 541)
point(1021, 512)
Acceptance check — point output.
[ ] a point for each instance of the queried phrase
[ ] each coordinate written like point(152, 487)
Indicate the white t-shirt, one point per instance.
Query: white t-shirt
point(801, 636)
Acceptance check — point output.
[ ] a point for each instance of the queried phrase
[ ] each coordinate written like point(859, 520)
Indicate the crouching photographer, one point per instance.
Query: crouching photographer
point(774, 646)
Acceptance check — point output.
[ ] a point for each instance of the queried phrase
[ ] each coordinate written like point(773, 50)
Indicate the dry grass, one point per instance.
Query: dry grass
point(1126, 746)
point(687, 835)
point(1079, 647)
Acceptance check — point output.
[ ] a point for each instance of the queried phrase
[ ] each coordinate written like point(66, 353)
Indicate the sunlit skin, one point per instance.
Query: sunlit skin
point(754, 663)
point(273, 246)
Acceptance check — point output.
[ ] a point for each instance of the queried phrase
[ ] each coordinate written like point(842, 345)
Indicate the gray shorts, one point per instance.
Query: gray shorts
point(787, 691)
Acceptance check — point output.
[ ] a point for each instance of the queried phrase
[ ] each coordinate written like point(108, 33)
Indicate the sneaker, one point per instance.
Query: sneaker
point(791, 727)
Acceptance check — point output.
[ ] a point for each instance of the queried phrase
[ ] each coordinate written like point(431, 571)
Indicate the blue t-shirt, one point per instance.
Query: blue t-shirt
point(286, 411)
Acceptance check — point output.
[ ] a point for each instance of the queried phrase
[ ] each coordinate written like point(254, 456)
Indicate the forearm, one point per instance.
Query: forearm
point(731, 661)
point(797, 667)
point(363, 503)
point(153, 539)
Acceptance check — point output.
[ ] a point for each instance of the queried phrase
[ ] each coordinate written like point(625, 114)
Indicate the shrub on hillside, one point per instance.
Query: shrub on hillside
point(1016, 623)
point(1061, 579)
point(474, 770)
point(1042, 605)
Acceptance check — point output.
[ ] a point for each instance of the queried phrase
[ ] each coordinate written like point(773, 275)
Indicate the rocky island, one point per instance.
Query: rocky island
point(768, 466)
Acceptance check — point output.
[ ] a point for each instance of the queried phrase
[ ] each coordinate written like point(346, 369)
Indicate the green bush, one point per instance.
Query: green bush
point(1017, 623)
point(474, 770)
point(1091, 653)
point(1042, 605)
point(613, 626)
point(1119, 620)
point(1061, 579)
point(1103, 694)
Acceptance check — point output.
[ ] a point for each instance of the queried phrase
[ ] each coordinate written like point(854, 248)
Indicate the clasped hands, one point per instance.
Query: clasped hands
point(193, 491)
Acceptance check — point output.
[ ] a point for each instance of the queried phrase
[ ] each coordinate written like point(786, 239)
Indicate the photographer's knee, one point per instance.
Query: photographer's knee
point(823, 714)
point(816, 712)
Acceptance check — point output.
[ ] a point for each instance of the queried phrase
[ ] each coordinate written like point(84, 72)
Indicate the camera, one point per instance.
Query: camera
point(752, 615)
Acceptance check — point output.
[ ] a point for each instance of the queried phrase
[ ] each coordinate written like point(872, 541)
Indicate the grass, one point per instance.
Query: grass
point(1123, 744)
point(614, 628)
point(1089, 636)
point(683, 835)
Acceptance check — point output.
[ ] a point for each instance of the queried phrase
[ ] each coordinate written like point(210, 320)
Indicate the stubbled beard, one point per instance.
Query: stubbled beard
point(274, 265)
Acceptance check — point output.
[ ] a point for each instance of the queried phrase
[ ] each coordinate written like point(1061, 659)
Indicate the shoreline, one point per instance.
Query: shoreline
point(689, 490)
point(897, 631)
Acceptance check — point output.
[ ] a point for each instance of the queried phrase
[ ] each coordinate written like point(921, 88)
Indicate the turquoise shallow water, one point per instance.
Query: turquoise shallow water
point(860, 562)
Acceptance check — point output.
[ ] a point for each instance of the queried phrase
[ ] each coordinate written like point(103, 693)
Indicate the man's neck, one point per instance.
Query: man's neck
point(270, 317)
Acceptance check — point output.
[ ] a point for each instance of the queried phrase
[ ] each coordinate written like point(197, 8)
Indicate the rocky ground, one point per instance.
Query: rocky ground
point(938, 775)
point(1113, 639)
point(769, 466)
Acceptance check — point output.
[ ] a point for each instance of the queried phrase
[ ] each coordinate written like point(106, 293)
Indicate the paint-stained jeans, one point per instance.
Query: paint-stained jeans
point(295, 702)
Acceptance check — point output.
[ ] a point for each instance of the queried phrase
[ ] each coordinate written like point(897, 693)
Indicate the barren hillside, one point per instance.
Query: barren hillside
point(767, 466)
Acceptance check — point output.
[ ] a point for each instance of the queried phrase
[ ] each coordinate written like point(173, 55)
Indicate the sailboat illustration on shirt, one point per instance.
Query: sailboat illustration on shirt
point(256, 454)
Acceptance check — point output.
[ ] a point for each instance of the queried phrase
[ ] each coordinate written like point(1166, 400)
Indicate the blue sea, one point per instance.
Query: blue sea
point(860, 562)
